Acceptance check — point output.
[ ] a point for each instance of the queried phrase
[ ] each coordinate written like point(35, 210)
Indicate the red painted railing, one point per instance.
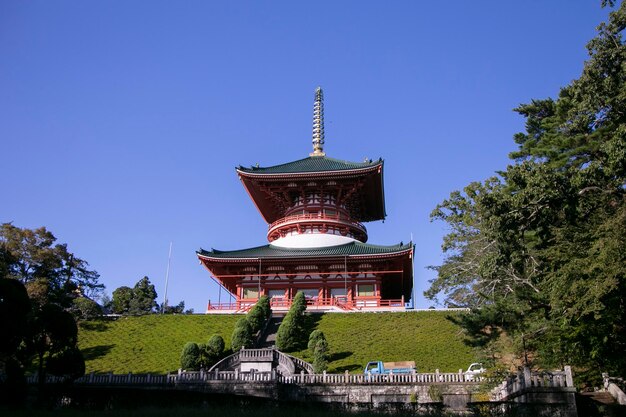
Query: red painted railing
point(316, 217)
point(341, 302)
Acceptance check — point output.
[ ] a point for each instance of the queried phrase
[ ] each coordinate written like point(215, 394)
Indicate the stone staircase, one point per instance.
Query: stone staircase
point(268, 338)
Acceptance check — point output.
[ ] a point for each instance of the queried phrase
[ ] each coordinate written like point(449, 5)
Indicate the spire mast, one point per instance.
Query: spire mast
point(318, 123)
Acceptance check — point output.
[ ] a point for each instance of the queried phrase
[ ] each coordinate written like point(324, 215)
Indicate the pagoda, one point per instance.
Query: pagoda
point(315, 209)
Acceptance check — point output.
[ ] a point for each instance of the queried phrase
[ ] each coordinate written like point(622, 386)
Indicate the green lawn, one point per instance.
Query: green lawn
point(152, 344)
point(147, 344)
point(427, 338)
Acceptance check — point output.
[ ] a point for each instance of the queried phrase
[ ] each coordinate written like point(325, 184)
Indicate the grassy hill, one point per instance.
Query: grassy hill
point(146, 344)
point(153, 343)
point(427, 338)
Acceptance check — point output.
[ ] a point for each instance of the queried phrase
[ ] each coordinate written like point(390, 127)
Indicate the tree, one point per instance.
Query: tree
point(15, 309)
point(189, 357)
point(314, 337)
point(144, 297)
point(84, 308)
point(242, 335)
point(290, 335)
point(52, 338)
point(211, 352)
point(260, 313)
point(47, 269)
point(318, 347)
point(320, 356)
point(121, 300)
point(538, 252)
point(141, 299)
point(177, 309)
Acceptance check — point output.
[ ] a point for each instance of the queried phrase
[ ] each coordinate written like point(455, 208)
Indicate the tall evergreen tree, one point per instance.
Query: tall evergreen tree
point(538, 252)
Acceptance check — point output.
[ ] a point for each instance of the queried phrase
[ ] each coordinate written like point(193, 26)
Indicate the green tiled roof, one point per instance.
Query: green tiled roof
point(271, 251)
point(311, 164)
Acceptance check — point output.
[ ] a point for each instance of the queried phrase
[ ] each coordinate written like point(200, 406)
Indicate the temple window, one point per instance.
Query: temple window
point(250, 293)
point(365, 290)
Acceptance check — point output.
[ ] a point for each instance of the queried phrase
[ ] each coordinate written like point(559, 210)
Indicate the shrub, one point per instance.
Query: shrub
point(242, 335)
point(190, 357)
point(313, 338)
point(320, 355)
point(260, 313)
point(290, 335)
point(214, 350)
point(256, 317)
point(264, 304)
point(299, 304)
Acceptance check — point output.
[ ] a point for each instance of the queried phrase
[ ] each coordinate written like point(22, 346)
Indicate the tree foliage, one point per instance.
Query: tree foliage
point(141, 299)
point(40, 283)
point(190, 356)
point(291, 335)
point(538, 252)
point(50, 272)
point(260, 313)
point(242, 335)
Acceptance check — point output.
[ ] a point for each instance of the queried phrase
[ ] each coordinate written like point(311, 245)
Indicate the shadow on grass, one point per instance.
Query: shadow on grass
point(95, 352)
point(339, 355)
point(310, 323)
point(350, 368)
point(95, 326)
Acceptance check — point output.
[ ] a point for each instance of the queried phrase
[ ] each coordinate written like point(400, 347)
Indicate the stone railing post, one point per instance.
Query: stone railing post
point(129, 377)
point(91, 378)
point(324, 376)
point(237, 374)
point(527, 381)
point(346, 377)
point(217, 373)
point(461, 376)
point(569, 380)
point(110, 377)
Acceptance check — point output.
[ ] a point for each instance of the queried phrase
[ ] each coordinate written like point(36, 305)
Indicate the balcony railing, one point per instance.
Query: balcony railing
point(343, 303)
point(317, 217)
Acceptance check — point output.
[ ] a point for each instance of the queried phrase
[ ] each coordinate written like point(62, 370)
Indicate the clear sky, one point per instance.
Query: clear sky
point(121, 122)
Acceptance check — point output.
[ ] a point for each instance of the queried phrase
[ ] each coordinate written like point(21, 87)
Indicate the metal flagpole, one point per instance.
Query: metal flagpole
point(259, 289)
point(167, 277)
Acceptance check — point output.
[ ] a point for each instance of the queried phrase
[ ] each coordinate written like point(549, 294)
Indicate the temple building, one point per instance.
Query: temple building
point(315, 209)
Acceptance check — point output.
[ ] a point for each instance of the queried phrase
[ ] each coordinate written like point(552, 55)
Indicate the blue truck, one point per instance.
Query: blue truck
point(380, 368)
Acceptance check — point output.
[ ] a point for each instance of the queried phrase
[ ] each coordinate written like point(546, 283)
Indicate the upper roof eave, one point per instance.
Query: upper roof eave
point(311, 165)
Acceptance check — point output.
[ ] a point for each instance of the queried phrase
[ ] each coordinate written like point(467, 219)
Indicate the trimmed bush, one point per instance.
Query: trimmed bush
point(264, 304)
point(260, 313)
point(290, 335)
point(299, 304)
point(256, 317)
point(190, 357)
point(320, 356)
point(242, 335)
point(213, 351)
point(313, 339)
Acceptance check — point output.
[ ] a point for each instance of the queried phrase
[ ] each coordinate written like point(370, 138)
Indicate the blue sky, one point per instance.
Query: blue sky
point(121, 122)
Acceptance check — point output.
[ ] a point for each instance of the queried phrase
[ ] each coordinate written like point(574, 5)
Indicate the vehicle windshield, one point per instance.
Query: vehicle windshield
point(371, 366)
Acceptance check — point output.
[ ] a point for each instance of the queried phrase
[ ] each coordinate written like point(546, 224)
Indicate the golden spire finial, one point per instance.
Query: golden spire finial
point(318, 123)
